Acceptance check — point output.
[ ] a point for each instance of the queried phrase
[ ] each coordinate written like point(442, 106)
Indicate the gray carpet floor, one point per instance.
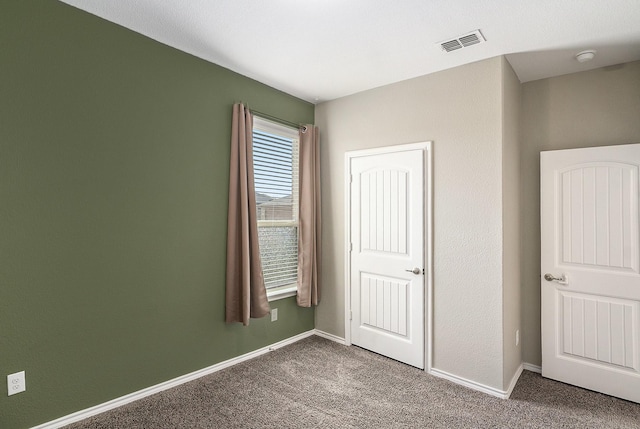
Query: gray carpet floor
point(316, 383)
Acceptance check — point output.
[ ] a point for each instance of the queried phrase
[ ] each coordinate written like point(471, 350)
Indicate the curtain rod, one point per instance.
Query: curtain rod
point(274, 119)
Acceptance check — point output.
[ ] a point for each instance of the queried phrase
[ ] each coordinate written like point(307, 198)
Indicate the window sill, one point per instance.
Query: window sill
point(282, 292)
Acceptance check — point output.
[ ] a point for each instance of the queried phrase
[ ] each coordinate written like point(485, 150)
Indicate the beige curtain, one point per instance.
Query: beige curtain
point(246, 295)
point(309, 222)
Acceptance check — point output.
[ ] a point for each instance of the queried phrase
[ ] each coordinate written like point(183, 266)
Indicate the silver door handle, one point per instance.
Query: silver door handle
point(416, 271)
point(564, 280)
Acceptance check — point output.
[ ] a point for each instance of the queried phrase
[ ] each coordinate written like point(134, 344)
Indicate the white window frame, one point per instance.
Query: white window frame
point(266, 126)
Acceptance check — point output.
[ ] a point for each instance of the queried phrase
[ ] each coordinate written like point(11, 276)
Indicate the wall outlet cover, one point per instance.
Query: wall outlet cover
point(16, 383)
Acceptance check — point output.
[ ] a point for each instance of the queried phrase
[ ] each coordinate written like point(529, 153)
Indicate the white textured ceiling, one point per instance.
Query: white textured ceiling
point(320, 50)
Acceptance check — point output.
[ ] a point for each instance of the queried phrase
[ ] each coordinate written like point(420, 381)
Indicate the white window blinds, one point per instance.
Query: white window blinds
point(275, 163)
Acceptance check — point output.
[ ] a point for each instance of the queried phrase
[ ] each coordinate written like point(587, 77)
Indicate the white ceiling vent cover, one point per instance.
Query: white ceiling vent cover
point(464, 41)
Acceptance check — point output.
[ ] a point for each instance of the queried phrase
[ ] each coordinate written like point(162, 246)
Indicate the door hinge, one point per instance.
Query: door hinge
point(351, 178)
point(350, 315)
point(350, 247)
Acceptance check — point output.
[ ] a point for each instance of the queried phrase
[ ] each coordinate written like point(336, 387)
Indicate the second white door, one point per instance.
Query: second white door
point(387, 258)
point(591, 268)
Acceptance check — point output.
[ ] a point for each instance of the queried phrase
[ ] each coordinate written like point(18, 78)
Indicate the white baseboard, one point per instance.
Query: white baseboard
point(514, 380)
point(118, 402)
point(533, 368)
point(454, 378)
point(470, 384)
point(331, 337)
point(503, 394)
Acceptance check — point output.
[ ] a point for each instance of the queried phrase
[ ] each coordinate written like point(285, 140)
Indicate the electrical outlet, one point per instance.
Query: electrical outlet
point(16, 383)
point(274, 314)
point(517, 336)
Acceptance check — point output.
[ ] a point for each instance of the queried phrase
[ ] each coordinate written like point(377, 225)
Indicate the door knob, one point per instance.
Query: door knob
point(416, 270)
point(562, 280)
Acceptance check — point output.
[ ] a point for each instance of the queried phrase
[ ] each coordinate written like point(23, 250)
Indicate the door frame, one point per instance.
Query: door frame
point(427, 151)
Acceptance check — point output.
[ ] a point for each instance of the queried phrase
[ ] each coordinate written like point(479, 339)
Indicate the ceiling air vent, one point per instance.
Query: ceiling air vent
point(464, 41)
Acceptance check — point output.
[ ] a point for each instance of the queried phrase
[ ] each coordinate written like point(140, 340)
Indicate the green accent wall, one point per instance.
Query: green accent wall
point(114, 154)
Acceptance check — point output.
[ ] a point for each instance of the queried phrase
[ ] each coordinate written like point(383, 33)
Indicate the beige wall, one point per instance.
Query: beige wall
point(511, 101)
point(487, 130)
point(460, 111)
point(593, 108)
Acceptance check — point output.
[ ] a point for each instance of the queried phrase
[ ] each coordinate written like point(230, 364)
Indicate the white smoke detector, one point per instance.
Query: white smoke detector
point(585, 56)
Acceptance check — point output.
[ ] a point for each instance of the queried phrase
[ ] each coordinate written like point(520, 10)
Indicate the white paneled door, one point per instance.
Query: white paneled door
point(387, 257)
point(590, 268)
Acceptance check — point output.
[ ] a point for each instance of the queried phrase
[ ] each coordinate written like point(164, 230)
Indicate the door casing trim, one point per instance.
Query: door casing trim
point(427, 150)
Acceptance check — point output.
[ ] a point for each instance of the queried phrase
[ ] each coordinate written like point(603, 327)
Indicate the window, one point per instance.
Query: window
point(275, 164)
